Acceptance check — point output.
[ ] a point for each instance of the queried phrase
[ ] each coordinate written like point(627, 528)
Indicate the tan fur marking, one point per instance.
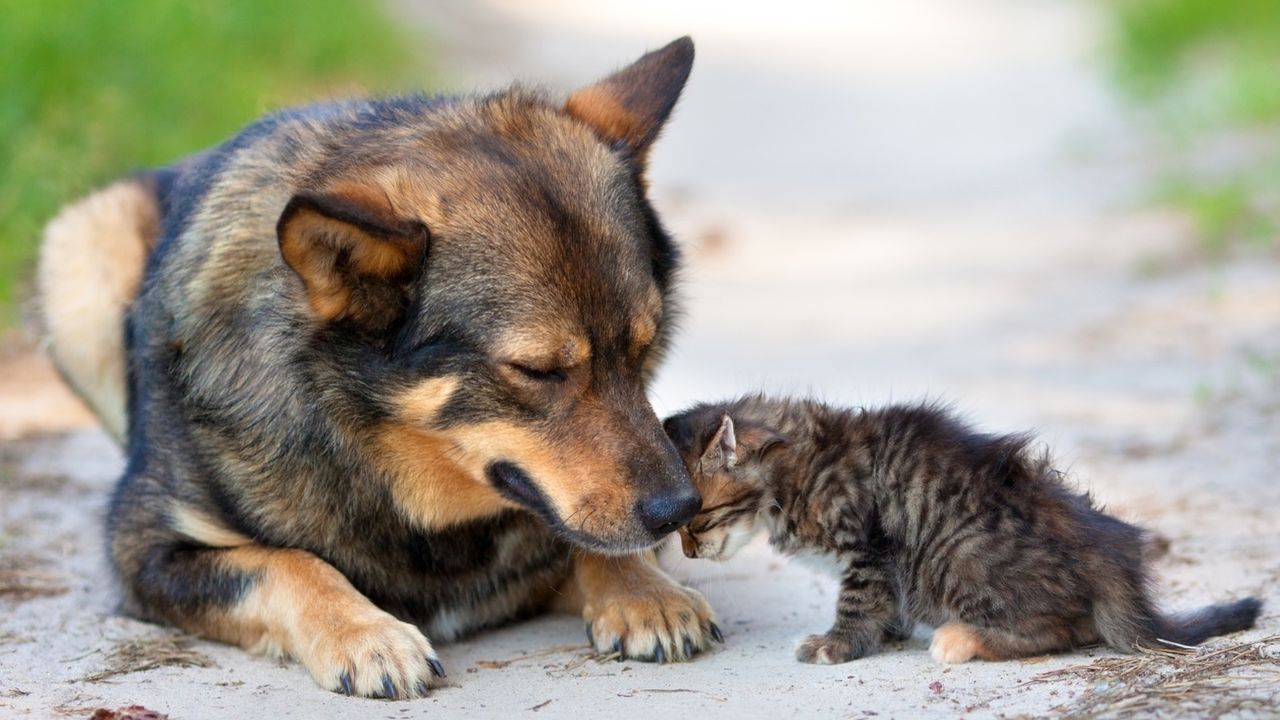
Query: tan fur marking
point(203, 529)
point(956, 642)
point(91, 263)
point(330, 303)
point(645, 328)
point(643, 331)
point(545, 350)
point(423, 402)
point(598, 107)
point(301, 607)
point(432, 483)
point(575, 351)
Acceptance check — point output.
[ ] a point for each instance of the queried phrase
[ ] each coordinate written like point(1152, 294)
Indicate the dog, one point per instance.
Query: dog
point(379, 368)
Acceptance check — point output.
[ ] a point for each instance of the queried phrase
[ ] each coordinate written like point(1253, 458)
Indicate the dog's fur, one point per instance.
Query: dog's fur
point(385, 371)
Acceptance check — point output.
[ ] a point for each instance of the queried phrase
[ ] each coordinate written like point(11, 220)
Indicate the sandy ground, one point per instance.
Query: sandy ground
point(879, 201)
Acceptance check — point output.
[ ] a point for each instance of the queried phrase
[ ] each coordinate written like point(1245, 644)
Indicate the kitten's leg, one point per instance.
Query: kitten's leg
point(903, 625)
point(899, 629)
point(867, 605)
point(957, 642)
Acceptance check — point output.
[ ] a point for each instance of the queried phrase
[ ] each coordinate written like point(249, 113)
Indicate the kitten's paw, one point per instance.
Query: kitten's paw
point(955, 643)
point(659, 621)
point(830, 649)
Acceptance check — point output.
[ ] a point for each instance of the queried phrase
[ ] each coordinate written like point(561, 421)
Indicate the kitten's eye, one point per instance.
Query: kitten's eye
point(540, 375)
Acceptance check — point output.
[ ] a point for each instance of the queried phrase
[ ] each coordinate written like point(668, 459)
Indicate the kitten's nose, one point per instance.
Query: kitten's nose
point(662, 514)
point(688, 544)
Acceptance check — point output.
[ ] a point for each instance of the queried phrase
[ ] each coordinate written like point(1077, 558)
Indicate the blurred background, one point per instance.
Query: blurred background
point(1061, 215)
point(873, 195)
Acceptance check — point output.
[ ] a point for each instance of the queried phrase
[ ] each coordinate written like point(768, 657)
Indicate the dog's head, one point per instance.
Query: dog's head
point(494, 278)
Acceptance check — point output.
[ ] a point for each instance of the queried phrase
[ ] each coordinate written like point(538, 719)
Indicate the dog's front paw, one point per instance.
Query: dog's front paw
point(831, 649)
point(658, 621)
point(373, 655)
point(955, 643)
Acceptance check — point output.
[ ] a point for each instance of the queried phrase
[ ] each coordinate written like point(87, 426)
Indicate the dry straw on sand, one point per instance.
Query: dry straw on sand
point(1242, 679)
point(139, 654)
point(24, 576)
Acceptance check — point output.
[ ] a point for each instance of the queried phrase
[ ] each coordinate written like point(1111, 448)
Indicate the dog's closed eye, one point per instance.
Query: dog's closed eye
point(542, 375)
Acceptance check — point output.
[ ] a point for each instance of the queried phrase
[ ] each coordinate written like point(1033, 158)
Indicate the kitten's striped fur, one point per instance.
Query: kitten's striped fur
point(928, 520)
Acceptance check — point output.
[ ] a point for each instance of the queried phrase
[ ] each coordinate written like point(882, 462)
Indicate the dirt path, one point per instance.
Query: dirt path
point(932, 198)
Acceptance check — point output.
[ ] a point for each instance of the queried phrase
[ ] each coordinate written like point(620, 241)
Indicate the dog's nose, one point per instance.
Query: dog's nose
point(661, 514)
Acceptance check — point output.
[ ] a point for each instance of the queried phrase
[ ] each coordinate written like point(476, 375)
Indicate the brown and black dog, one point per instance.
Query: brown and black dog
point(384, 364)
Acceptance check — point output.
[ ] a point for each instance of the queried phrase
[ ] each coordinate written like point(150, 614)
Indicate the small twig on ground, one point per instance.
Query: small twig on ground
point(141, 654)
point(499, 664)
point(632, 693)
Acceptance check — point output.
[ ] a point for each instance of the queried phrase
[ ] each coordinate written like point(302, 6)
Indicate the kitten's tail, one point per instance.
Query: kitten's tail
point(1196, 626)
point(1123, 613)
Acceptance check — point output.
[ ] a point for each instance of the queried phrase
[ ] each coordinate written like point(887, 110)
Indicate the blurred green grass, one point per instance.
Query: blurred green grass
point(1211, 69)
point(90, 90)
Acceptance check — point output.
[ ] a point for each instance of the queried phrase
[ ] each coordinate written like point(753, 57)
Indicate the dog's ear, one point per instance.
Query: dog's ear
point(354, 255)
point(629, 107)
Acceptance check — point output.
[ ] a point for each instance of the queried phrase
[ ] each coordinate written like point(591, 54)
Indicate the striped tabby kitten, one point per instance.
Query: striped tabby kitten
point(925, 519)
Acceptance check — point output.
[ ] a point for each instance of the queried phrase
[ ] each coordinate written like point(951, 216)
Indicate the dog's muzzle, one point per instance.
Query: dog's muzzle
point(663, 514)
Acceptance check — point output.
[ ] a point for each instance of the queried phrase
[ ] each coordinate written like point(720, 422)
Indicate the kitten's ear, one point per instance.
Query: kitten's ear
point(722, 448)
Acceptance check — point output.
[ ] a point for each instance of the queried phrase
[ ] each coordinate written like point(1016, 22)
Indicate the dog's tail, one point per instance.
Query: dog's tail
point(92, 259)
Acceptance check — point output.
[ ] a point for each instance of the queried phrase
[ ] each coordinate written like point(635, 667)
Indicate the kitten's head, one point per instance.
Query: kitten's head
point(727, 464)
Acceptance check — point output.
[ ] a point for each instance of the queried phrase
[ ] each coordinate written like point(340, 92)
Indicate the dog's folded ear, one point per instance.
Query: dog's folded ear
point(354, 255)
point(629, 107)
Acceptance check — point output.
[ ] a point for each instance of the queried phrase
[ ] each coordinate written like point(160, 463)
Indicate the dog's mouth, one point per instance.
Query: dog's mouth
point(516, 485)
point(513, 482)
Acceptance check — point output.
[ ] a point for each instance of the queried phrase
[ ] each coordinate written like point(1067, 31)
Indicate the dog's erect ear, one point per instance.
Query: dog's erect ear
point(629, 107)
point(353, 253)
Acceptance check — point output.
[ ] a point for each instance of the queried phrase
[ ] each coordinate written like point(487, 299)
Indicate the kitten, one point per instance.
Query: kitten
point(925, 519)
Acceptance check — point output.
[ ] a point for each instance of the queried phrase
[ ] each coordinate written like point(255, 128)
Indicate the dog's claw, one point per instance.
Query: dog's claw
point(345, 679)
point(436, 668)
point(688, 646)
point(617, 648)
point(716, 634)
point(659, 655)
point(388, 688)
point(591, 636)
point(422, 689)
